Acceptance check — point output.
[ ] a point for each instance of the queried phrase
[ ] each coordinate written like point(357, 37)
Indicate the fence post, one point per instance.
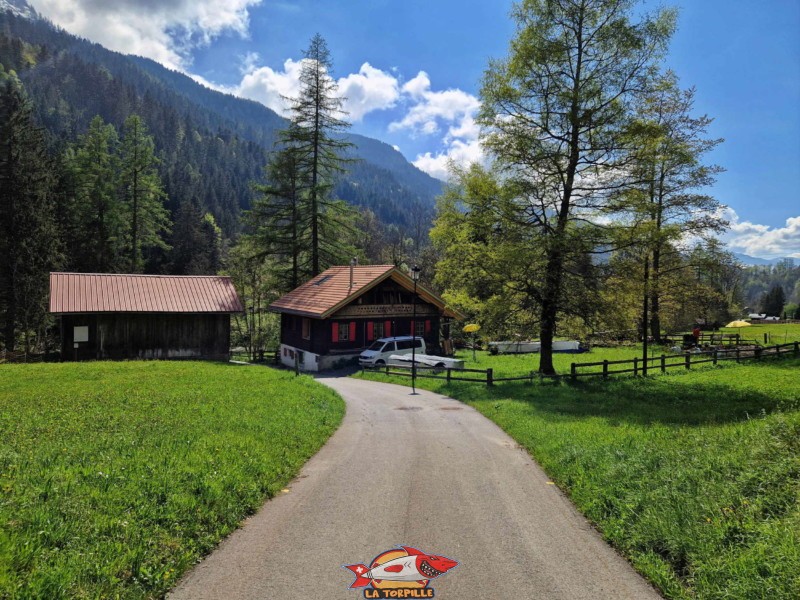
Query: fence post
point(533, 374)
point(573, 371)
point(777, 350)
point(688, 360)
point(663, 363)
point(449, 374)
point(715, 357)
point(605, 369)
point(757, 352)
point(296, 364)
point(737, 354)
point(737, 339)
point(635, 366)
point(489, 377)
point(797, 347)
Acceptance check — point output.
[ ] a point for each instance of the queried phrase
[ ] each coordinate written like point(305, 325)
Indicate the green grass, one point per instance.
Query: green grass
point(778, 334)
point(117, 477)
point(694, 477)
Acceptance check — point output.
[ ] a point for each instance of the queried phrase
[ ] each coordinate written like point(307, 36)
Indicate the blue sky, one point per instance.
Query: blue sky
point(412, 71)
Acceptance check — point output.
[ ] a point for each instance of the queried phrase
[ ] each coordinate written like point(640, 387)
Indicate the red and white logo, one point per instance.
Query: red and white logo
point(400, 573)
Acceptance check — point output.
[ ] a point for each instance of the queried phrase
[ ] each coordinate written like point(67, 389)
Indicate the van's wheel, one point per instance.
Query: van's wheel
point(380, 363)
point(438, 368)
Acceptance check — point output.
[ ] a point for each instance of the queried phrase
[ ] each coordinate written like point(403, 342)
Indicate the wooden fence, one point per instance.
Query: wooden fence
point(638, 366)
point(686, 360)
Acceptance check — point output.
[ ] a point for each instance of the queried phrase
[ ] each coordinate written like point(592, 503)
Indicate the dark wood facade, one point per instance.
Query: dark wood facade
point(146, 336)
point(384, 311)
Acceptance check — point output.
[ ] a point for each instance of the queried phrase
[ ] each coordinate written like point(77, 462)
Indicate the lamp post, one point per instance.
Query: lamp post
point(415, 277)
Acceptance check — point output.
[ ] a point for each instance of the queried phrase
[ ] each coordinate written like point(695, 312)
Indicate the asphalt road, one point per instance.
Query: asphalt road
point(423, 471)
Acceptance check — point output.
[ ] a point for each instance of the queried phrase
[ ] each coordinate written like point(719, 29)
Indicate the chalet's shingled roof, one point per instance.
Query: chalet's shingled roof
point(97, 293)
point(330, 291)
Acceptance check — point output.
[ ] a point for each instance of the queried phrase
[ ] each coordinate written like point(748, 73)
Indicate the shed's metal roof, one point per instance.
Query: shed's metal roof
point(100, 292)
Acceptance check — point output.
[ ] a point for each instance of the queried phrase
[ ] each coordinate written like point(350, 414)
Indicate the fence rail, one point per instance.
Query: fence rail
point(639, 366)
point(686, 360)
point(22, 357)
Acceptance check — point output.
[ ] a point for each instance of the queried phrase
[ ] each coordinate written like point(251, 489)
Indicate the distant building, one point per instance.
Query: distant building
point(119, 317)
point(329, 320)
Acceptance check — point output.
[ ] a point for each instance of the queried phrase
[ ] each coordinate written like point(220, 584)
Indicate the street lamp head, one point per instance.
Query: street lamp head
point(415, 271)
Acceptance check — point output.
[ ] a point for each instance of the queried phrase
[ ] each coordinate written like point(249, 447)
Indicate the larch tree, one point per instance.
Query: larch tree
point(554, 113)
point(666, 204)
point(315, 134)
point(29, 239)
point(142, 193)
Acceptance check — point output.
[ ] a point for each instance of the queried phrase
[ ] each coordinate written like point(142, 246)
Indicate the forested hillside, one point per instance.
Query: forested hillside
point(211, 146)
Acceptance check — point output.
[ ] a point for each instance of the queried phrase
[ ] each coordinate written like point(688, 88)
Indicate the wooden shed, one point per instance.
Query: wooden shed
point(332, 318)
point(104, 316)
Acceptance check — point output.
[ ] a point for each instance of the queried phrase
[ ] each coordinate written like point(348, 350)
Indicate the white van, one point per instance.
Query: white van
point(379, 352)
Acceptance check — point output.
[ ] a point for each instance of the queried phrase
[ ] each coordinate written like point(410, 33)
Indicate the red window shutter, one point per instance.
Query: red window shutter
point(370, 331)
point(334, 332)
point(427, 326)
point(411, 331)
point(387, 329)
point(352, 331)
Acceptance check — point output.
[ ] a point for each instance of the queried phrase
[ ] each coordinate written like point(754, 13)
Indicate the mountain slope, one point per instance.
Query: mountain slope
point(212, 145)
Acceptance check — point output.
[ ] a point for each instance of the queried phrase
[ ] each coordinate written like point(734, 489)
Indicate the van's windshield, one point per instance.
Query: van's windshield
point(376, 346)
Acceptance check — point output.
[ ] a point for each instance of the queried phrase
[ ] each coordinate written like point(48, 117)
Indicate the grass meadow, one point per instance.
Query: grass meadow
point(693, 476)
point(117, 477)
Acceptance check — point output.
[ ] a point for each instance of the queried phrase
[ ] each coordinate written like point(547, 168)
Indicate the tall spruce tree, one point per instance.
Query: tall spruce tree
point(142, 193)
point(315, 136)
point(773, 301)
point(95, 217)
point(196, 241)
point(554, 113)
point(280, 218)
point(29, 241)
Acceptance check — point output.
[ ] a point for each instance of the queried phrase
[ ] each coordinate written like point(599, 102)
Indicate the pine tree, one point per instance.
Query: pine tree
point(142, 194)
point(29, 241)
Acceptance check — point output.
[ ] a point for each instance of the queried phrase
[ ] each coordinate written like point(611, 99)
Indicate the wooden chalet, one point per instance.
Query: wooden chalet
point(106, 316)
point(328, 321)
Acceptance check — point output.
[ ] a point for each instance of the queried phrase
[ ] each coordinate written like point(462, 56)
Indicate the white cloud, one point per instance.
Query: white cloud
point(430, 111)
point(459, 152)
point(368, 90)
point(271, 87)
point(430, 107)
point(164, 30)
point(763, 241)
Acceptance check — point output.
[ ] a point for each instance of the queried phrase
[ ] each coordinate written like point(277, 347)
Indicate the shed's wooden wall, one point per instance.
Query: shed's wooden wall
point(148, 336)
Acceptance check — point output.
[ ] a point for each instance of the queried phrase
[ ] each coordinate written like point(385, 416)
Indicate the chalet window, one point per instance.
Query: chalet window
point(419, 327)
point(344, 333)
point(377, 329)
point(306, 329)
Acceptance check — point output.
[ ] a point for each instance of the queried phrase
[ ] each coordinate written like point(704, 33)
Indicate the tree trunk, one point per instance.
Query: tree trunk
point(655, 297)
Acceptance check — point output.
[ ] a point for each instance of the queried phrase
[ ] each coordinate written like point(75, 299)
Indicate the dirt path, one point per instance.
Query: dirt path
point(423, 471)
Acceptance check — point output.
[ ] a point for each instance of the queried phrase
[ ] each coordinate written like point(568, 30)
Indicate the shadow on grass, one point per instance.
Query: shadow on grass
point(680, 399)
